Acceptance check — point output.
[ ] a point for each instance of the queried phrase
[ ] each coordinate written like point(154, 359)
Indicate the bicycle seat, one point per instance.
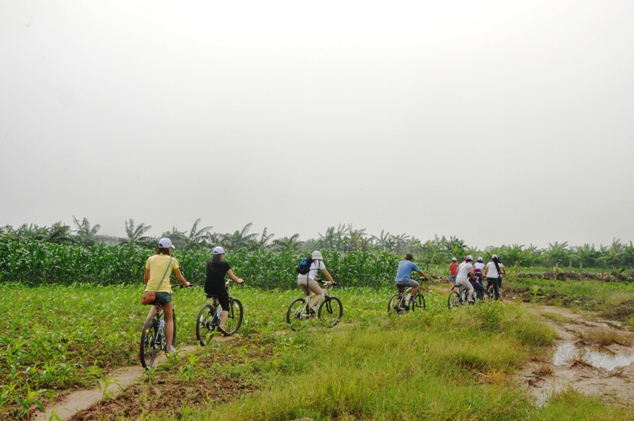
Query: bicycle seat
point(401, 289)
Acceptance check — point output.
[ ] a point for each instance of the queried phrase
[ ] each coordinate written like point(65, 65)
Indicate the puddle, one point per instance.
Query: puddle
point(567, 353)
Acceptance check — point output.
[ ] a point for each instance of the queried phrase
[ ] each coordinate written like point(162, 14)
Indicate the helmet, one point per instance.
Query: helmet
point(166, 243)
point(453, 259)
point(469, 257)
point(317, 255)
point(219, 250)
point(480, 259)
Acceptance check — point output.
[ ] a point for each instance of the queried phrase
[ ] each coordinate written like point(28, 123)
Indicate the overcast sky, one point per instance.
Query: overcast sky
point(495, 121)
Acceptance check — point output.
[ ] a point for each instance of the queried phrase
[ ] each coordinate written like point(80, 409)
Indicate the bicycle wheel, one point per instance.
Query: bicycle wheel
point(454, 300)
point(420, 302)
point(204, 324)
point(149, 348)
point(174, 333)
point(330, 311)
point(235, 316)
point(394, 305)
point(297, 314)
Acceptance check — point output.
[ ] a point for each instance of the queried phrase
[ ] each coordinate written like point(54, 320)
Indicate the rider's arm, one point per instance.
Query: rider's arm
point(502, 270)
point(486, 270)
point(327, 275)
point(180, 278)
point(234, 278)
point(146, 276)
point(422, 274)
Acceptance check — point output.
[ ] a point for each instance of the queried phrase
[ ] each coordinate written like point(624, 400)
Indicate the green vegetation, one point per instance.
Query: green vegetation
point(437, 364)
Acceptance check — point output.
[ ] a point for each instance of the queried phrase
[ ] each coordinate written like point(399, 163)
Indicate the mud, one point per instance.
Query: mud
point(581, 359)
point(119, 380)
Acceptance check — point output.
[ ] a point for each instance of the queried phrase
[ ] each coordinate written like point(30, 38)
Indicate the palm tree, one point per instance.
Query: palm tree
point(239, 239)
point(85, 233)
point(385, 241)
point(179, 238)
point(197, 237)
point(286, 243)
point(264, 241)
point(136, 235)
point(59, 233)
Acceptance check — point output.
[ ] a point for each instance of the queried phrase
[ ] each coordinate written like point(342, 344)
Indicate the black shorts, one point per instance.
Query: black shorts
point(221, 293)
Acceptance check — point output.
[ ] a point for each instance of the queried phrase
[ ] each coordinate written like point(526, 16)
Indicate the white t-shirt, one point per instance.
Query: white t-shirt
point(463, 269)
point(316, 266)
point(479, 265)
point(493, 272)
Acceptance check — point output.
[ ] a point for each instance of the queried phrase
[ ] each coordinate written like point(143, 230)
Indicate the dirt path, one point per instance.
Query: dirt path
point(591, 355)
point(118, 380)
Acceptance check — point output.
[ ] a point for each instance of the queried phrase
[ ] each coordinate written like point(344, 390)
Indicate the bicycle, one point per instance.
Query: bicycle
point(329, 312)
point(208, 319)
point(401, 302)
point(458, 296)
point(153, 337)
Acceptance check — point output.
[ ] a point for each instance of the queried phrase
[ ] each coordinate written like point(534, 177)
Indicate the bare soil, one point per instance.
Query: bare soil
point(584, 357)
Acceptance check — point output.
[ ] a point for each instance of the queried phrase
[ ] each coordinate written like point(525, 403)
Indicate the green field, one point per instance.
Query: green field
point(439, 364)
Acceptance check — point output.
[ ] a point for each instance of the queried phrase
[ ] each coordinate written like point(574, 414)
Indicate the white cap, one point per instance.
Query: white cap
point(495, 256)
point(480, 259)
point(317, 255)
point(453, 259)
point(166, 243)
point(469, 257)
point(219, 250)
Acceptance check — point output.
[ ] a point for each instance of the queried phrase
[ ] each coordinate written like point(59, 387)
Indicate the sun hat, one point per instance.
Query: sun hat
point(317, 255)
point(166, 243)
point(219, 250)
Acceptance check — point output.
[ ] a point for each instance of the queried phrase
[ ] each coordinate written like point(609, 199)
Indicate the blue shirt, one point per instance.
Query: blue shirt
point(405, 267)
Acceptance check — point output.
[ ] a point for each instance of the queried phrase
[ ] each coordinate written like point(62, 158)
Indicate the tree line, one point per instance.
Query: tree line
point(344, 239)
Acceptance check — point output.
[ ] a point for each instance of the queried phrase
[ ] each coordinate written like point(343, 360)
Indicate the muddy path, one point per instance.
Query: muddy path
point(117, 381)
point(592, 355)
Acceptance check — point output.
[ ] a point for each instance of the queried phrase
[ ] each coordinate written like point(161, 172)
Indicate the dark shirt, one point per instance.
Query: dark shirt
point(216, 276)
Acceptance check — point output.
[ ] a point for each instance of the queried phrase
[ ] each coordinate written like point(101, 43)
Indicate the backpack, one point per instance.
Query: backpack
point(304, 265)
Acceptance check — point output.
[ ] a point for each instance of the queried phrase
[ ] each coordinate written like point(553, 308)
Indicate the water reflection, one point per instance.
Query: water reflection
point(566, 354)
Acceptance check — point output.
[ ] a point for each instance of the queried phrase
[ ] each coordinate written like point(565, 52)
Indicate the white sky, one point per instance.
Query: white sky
point(498, 122)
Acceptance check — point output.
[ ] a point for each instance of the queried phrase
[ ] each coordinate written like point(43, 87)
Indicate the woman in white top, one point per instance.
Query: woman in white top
point(463, 275)
point(494, 271)
point(308, 284)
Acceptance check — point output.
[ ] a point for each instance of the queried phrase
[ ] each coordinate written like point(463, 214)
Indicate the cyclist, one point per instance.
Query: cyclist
point(478, 283)
point(464, 270)
point(217, 267)
point(494, 271)
point(158, 269)
point(453, 271)
point(405, 268)
point(308, 284)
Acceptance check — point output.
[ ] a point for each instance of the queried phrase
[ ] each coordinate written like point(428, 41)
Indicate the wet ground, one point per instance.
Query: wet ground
point(591, 355)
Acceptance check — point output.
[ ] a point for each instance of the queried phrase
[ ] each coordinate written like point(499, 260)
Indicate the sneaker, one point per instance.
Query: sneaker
point(312, 312)
point(223, 332)
point(170, 351)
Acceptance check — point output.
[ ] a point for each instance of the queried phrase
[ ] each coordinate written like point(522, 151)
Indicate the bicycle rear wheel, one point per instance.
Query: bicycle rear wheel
point(150, 344)
point(205, 325)
point(330, 311)
point(394, 306)
point(235, 316)
point(420, 302)
point(297, 314)
point(454, 300)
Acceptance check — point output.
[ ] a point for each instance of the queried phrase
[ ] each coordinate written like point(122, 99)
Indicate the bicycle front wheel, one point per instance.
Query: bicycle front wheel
point(150, 344)
point(454, 300)
point(330, 311)
point(297, 314)
point(234, 320)
point(204, 324)
point(394, 306)
point(420, 302)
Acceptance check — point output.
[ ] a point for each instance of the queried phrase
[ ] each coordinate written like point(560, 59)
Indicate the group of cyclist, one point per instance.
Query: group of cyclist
point(160, 266)
point(471, 276)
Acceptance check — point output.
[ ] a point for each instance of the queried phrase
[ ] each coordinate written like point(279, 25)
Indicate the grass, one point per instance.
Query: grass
point(438, 364)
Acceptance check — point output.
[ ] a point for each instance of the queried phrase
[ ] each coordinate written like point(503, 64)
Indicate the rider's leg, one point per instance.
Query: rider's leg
point(169, 324)
point(313, 287)
point(151, 313)
point(415, 292)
